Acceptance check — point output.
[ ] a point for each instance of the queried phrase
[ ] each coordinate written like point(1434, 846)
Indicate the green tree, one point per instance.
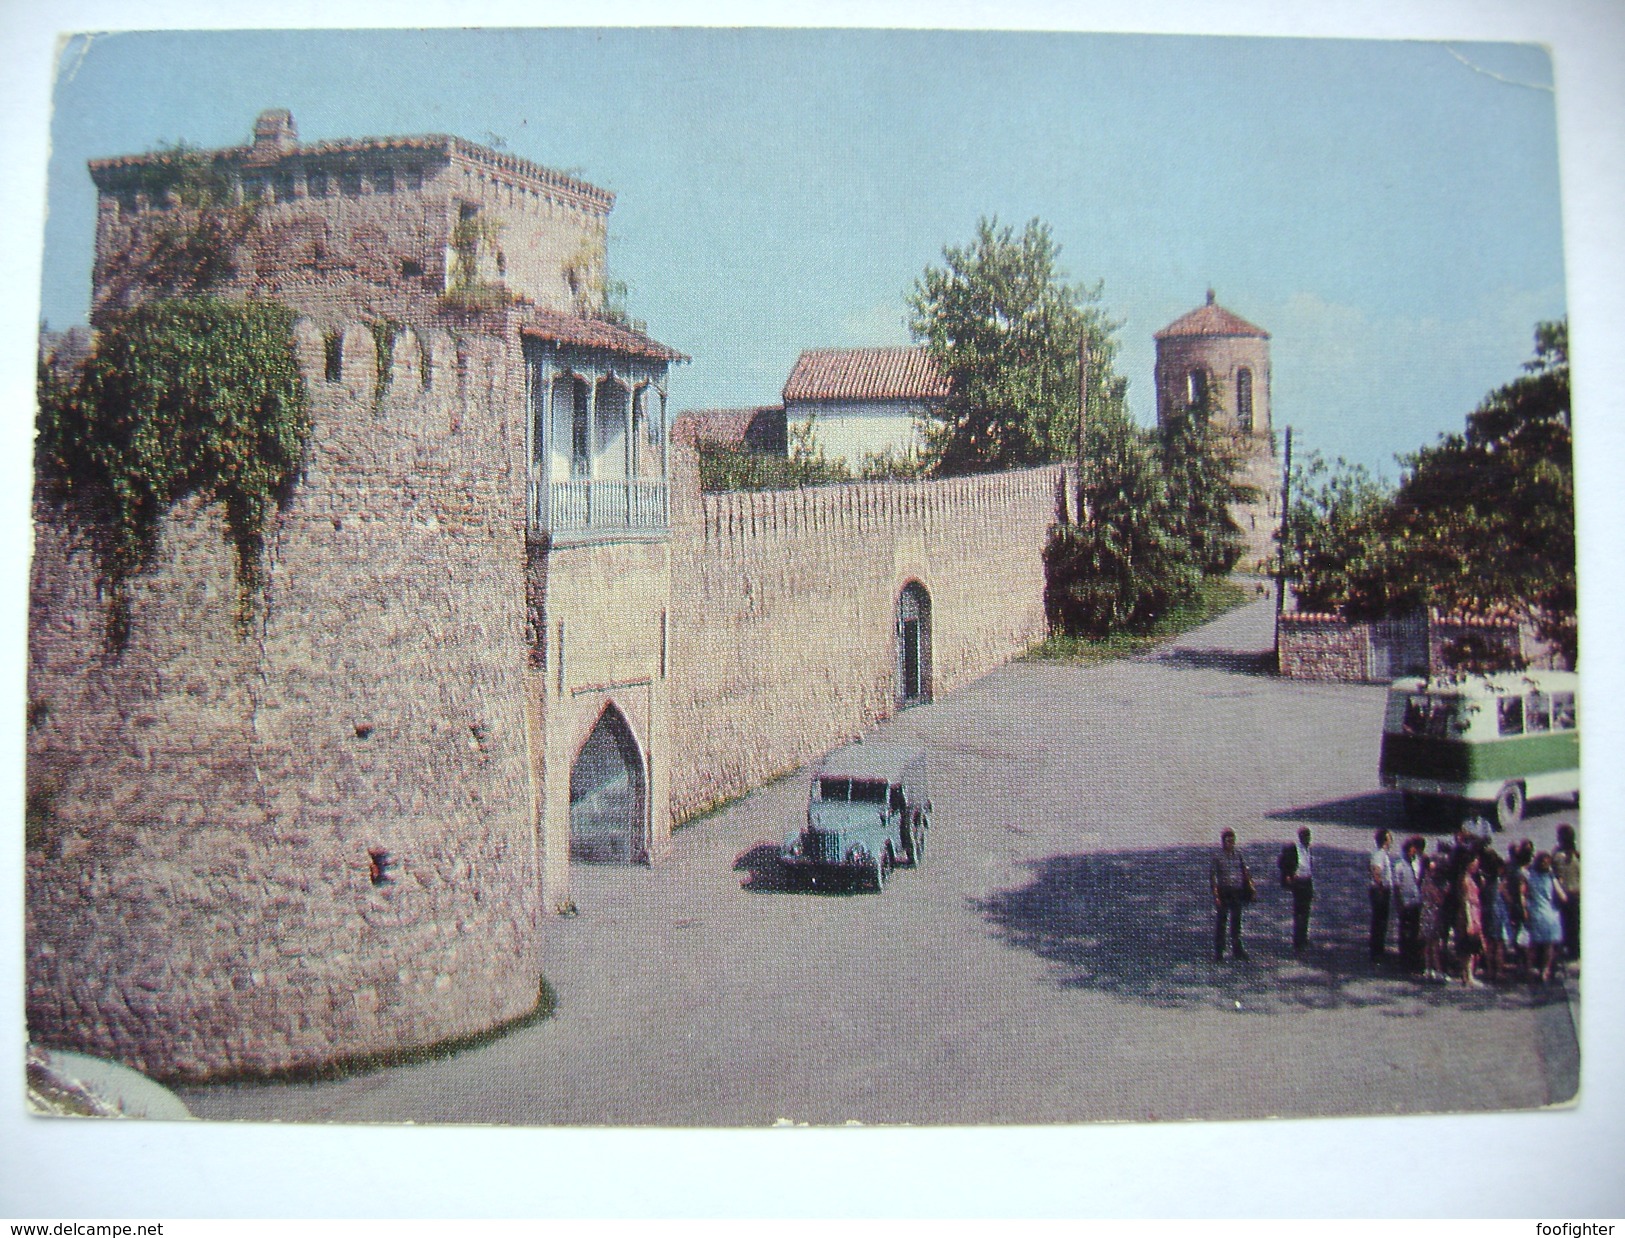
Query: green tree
point(1003, 324)
point(1338, 557)
point(1125, 564)
point(1484, 520)
point(1199, 467)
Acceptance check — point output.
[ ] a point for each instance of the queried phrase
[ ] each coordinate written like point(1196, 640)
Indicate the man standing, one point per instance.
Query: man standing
point(1230, 879)
point(1408, 895)
point(1298, 873)
point(1382, 892)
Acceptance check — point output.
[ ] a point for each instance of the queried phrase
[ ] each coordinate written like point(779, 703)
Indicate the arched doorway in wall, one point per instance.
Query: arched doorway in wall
point(913, 645)
point(608, 805)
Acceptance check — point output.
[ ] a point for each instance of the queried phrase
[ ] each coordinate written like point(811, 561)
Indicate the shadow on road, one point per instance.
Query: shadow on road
point(766, 873)
point(1139, 925)
point(1235, 661)
point(1385, 808)
point(1374, 810)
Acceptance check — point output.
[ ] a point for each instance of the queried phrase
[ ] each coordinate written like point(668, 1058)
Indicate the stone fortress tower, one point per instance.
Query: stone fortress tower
point(1213, 352)
point(501, 630)
point(334, 835)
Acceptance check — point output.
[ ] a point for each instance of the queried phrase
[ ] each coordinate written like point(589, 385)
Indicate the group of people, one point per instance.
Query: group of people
point(1464, 908)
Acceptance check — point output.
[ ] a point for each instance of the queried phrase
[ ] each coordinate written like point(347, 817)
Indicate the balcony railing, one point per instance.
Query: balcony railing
point(584, 510)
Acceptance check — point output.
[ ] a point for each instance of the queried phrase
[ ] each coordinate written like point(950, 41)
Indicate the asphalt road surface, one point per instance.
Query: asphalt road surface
point(1050, 962)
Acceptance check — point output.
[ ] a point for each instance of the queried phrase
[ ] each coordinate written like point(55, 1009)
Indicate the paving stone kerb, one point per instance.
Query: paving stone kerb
point(335, 836)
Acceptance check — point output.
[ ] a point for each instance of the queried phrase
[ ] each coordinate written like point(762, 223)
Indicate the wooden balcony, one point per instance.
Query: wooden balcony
point(610, 509)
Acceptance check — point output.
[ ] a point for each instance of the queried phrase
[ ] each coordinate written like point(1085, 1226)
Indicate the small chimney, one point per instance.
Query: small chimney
point(1209, 291)
point(275, 135)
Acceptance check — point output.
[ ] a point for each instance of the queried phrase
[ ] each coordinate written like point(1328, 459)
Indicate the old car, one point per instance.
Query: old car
point(867, 811)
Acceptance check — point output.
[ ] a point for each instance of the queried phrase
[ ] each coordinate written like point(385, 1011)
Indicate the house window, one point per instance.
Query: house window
point(333, 351)
point(1196, 387)
point(383, 181)
point(316, 184)
point(1244, 401)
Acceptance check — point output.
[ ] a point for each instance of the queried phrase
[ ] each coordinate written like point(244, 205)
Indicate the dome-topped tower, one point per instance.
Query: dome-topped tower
point(1211, 351)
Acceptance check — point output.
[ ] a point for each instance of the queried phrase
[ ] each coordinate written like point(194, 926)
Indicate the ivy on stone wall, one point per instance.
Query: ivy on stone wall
point(183, 397)
point(193, 233)
point(476, 255)
point(384, 334)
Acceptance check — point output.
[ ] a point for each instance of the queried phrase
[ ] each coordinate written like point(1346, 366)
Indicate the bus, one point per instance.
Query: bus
point(1484, 743)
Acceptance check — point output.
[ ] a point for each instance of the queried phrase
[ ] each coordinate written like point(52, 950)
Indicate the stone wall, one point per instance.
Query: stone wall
point(209, 810)
point(783, 610)
point(1326, 647)
point(1329, 647)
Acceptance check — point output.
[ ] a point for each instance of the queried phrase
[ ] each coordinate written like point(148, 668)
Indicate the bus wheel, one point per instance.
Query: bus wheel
point(1509, 806)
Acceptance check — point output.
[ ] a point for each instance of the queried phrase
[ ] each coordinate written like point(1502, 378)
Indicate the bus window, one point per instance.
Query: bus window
point(1431, 715)
point(1537, 713)
point(1563, 711)
point(1511, 715)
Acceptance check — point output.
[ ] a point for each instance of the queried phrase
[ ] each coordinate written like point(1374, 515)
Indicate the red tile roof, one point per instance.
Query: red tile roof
point(735, 426)
point(866, 374)
point(1211, 319)
point(558, 328)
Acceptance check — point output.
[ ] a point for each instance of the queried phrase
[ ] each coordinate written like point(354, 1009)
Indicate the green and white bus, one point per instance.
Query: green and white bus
point(1490, 743)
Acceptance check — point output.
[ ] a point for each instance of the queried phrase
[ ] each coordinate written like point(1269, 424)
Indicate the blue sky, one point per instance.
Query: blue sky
point(1387, 210)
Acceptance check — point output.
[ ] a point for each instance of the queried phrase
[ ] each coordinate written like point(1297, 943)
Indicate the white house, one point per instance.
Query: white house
point(864, 401)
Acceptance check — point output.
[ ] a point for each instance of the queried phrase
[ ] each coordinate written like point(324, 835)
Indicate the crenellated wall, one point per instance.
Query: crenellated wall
point(334, 835)
point(209, 810)
point(784, 605)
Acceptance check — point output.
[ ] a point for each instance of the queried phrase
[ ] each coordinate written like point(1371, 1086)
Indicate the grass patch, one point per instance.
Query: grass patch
point(1214, 596)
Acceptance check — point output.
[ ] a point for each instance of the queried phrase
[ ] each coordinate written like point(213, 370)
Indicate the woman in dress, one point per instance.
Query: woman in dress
point(1470, 921)
point(1434, 900)
point(1542, 892)
point(1496, 920)
point(1518, 860)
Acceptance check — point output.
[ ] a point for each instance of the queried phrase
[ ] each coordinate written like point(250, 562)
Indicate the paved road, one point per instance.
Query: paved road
point(1050, 963)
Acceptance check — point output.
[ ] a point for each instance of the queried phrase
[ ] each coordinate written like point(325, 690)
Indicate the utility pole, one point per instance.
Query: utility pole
point(1085, 362)
point(1286, 532)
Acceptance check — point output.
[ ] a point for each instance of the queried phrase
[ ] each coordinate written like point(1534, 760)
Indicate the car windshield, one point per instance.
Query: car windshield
point(858, 790)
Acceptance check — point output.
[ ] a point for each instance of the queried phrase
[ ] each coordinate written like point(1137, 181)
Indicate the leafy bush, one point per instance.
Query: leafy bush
point(731, 466)
point(1124, 566)
point(181, 397)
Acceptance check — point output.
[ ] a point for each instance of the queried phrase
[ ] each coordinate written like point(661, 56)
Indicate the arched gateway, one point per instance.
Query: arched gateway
point(608, 802)
point(913, 645)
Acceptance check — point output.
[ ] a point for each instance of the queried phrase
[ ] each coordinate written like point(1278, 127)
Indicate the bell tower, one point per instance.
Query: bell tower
point(1214, 353)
